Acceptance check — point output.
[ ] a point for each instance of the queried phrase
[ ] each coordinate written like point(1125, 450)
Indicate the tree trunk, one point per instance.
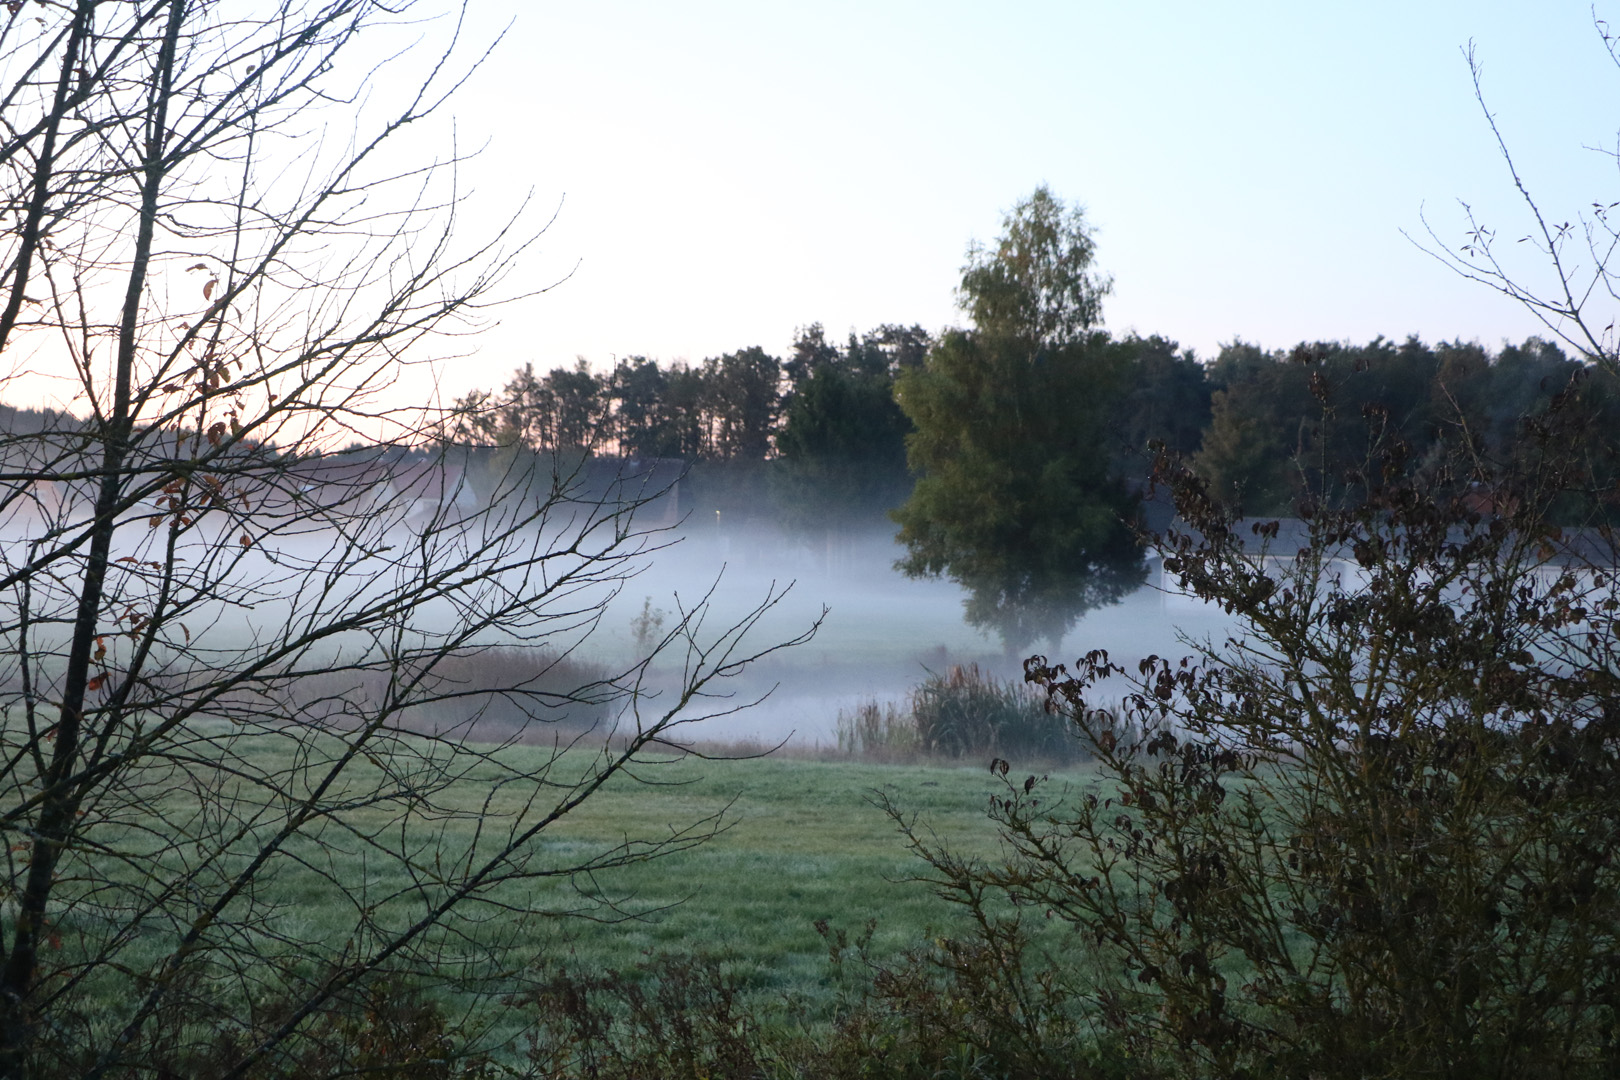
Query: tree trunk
point(61, 788)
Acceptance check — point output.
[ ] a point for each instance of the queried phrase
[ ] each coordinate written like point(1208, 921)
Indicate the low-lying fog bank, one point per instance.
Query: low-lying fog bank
point(882, 635)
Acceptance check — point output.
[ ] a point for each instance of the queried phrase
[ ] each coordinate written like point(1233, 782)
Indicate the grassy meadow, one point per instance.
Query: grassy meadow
point(801, 839)
point(805, 842)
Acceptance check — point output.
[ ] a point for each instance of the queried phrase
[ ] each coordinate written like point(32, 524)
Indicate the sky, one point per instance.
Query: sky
point(720, 173)
point(724, 173)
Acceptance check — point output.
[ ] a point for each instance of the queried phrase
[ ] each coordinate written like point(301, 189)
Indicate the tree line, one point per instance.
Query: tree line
point(827, 420)
point(1276, 416)
point(824, 418)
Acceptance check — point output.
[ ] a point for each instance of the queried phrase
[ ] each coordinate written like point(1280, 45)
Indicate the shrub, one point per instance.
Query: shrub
point(983, 1005)
point(674, 1016)
point(1373, 832)
point(967, 712)
point(387, 1030)
point(949, 1009)
point(963, 713)
point(878, 730)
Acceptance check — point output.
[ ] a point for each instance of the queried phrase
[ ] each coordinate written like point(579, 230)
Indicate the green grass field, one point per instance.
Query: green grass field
point(801, 840)
point(806, 842)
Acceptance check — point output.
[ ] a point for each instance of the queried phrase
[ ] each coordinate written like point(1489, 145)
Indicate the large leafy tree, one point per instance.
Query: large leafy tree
point(1015, 497)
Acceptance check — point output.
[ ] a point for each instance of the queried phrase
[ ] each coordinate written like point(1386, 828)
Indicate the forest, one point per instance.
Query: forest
point(819, 433)
point(816, 440)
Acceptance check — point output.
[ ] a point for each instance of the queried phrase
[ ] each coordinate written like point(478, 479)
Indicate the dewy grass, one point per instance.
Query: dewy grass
point(805, 842)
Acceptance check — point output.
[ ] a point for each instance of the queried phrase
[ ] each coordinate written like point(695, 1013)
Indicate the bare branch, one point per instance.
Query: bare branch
point(238, 663)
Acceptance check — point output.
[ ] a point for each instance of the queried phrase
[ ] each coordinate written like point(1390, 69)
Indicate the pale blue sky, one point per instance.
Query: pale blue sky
point(734, 170)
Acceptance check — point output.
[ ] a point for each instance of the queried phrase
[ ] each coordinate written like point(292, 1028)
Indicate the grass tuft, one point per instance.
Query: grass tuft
point(964, 713)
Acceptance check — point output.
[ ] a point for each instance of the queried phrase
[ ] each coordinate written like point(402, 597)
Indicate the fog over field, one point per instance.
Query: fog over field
point(883, 632)
point(881, 635)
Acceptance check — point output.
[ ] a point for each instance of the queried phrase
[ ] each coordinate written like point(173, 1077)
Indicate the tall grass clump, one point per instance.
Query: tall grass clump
point(878, 729)
point(962, 713)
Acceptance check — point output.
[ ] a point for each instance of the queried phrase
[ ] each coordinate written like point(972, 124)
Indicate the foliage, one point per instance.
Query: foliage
point(1016, 498)
point(241, 675)
point(842, 437)
point(988, 1001)
point(563, 411)
point(878, 731)
point(1252, 418)
point(744, 401)
point(964, 713)
point(384, 1030)
point(832, 425)
point(950, 1010)
point(1036, 283)
point(723, 410)
point(1271, 441)
point(1167, 404)
point(674, 1016)
point(1370, 834)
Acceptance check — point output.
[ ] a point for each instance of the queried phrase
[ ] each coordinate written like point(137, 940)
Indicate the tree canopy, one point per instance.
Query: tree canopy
point(1016, 497)
point(842, 439)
